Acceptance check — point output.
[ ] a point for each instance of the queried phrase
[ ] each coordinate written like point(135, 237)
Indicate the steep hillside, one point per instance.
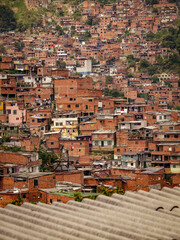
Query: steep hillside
point(15, 15)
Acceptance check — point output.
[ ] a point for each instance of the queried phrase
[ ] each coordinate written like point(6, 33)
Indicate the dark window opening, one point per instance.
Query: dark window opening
point(35, 182)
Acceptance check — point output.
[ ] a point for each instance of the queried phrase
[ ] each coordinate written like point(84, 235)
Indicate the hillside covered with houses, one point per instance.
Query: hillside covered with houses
point(89, 98)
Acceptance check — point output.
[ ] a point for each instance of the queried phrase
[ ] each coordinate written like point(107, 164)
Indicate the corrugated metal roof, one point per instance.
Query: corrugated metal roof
point(135, 215)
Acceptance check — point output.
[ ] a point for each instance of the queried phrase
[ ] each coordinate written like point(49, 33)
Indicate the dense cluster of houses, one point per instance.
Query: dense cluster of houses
point(99, 140)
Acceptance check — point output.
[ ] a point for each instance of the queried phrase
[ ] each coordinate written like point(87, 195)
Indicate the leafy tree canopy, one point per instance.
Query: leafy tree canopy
point(76, 14)
point(92, 21)
point(2, 48)
point(60, 30)
point(151, 2)
point(47, 158)
point(109, 79)
point(7, 19)
point(19, 46)
point(61, 64)
point(113, 92)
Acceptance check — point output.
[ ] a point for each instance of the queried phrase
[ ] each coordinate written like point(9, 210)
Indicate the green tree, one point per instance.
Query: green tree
point(177, 107)
point(7, 19)
point(94, 61)
point(152, 69)
point(92, 21)
point(155, 79)
point(143, 95)
point(60, 64)
point(150, 36)
point(105, 191)
point(155, 10)
point(159, 60)
point(59, 29)
point(61, 13)
point(112, 60)
point(113, 92)
point(87, 35)
point(116, 93)
point(48, 158)
point(78, 197)
point(2, 48)
point(119, 190)
point(76, 14)
point(129, 75)
point(89, 21)
point(109, 79)
point(19, 46)
point(151, 2)
point(144, 64)
point(18, 201)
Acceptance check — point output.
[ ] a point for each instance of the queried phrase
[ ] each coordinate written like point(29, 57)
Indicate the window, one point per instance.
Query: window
point(118, 150)
point(132, 164)
point(8, 111)
point(96, 143)
point(176, 136)
point(68, 106)
point(90, 100)
point(79, 150)
point(166, 136)
point(24, 195)
point(86, 107)
point(33, 120)
point(52, 143)
point(36, 182)
point(77, 105)
point(161, 127)
point(17, 118)
point(109, 142)
point(51, 201)
point(14, 112)
point(58, 200)
point(154, 117)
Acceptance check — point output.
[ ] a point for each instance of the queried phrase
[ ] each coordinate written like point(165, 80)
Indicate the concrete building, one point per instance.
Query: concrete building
point(86, 69)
